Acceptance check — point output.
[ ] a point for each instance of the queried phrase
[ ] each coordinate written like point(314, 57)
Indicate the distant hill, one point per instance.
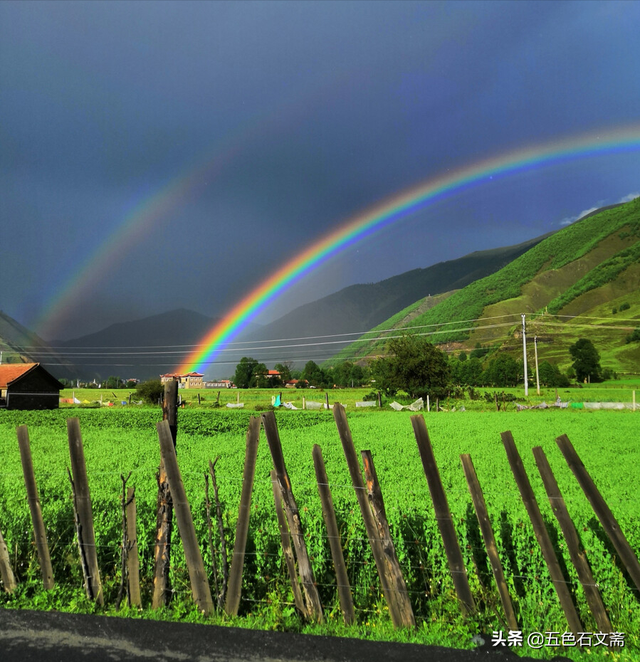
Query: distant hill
point(143, 348)
point(360, 307)
point(19, 345)
point(589, 268)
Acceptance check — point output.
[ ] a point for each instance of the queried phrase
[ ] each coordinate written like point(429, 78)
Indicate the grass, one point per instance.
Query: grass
point(604, 440)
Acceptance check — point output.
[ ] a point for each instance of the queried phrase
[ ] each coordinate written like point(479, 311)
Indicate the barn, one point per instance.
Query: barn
point(28, 386)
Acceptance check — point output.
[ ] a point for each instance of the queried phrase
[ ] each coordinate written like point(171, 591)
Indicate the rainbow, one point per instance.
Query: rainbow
point(393, 209)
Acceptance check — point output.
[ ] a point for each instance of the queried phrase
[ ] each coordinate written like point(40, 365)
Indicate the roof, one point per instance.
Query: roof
point(193, 374)
point(273, 372)
point(12, 371)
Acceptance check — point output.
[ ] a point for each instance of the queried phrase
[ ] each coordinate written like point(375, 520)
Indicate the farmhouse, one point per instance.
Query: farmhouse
point(28, 386)
point(187, 380)
point(221, 383)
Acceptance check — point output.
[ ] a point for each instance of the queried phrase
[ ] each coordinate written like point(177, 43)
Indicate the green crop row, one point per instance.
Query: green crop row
point(606, 442)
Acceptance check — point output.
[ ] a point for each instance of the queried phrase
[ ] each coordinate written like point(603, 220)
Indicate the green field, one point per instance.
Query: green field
point(259, 399)
point(121, 440)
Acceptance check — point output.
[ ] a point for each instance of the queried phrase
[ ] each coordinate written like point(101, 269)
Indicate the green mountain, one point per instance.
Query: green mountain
point(363, 306)
point(590, 268)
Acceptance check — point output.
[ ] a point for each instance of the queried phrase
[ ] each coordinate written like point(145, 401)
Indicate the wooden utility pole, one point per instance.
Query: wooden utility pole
point(524, 353)
point(164, 519)
point(535, 345)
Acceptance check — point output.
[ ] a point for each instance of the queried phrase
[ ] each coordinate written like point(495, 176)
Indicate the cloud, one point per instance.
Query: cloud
point(630, 197)
point(572, 219)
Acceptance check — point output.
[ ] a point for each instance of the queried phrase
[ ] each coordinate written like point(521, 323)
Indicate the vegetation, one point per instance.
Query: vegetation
point(601, 438)
point(540, 270)
point(414, 365)
point(150, 391)
point(586, 361)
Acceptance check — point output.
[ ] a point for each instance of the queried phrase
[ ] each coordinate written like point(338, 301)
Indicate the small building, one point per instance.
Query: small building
point(186, 380)
point(28, 386)
point(221, 383)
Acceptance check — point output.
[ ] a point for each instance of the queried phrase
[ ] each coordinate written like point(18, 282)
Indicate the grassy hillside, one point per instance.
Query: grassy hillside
point(588, 267)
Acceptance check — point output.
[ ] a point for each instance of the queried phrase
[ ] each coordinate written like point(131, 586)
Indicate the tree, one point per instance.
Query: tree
point(113, 382)
point(414, 365)
point(504, 370)
point(244, 376)
point(586, 360)
point(150, 391)
point(285, 371)
point(550, 375)
point(315, 375)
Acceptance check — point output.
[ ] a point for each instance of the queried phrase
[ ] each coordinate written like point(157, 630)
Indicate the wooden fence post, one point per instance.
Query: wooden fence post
point(443, 515)
point(367, 516)
point(223, 546)
point(285, 541)
point(6, 572)
point(603, 512)
point(39, 531)
point(314, 607)
point(540, 530)
point(489, 539)
point(329, 514)
point(242, 527)
point(578, 558)
point(133, 561)
point(392, 565)
point(83, 506)
point(199, 583)
point(164, 517)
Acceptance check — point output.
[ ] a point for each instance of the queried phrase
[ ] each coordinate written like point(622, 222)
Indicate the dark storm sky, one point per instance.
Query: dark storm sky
point(296, 115)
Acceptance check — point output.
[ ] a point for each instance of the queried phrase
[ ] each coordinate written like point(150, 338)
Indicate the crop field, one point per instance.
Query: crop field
point(259, 399)
point(119, 441)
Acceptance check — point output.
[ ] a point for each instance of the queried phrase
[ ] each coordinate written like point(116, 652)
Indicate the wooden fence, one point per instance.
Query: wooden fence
point(172, 499)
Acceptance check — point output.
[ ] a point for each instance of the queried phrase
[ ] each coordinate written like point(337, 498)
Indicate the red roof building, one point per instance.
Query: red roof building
point(28, 386)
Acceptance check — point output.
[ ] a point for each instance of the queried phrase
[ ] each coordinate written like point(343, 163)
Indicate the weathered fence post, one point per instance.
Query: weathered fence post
point(489, 539)
point(199, 583)
point(392, 565)
point(39, 531)
point(165, 504)
point(82, 499)
point(540, 530)
point(6, 572)
point(133, 561)
point(313, 605)
point(242, 527)
point(443, 515)
point(603, 512)
point(578, 558)
point(348, 447)
point(329, 514)
point(285, 541)
point(223, 546)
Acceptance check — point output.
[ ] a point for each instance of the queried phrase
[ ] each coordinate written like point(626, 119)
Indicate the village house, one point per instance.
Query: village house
point(186, 380)
point(221, 383)
point(28, 386)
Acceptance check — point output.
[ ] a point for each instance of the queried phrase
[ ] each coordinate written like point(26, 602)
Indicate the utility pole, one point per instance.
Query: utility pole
point(535, 345)
point(524, 352)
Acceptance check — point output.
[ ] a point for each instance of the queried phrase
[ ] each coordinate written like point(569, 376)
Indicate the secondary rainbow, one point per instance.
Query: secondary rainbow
point(390, 211)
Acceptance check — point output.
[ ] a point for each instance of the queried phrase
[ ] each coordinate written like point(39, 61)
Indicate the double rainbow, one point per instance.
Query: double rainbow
point(393, 209)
